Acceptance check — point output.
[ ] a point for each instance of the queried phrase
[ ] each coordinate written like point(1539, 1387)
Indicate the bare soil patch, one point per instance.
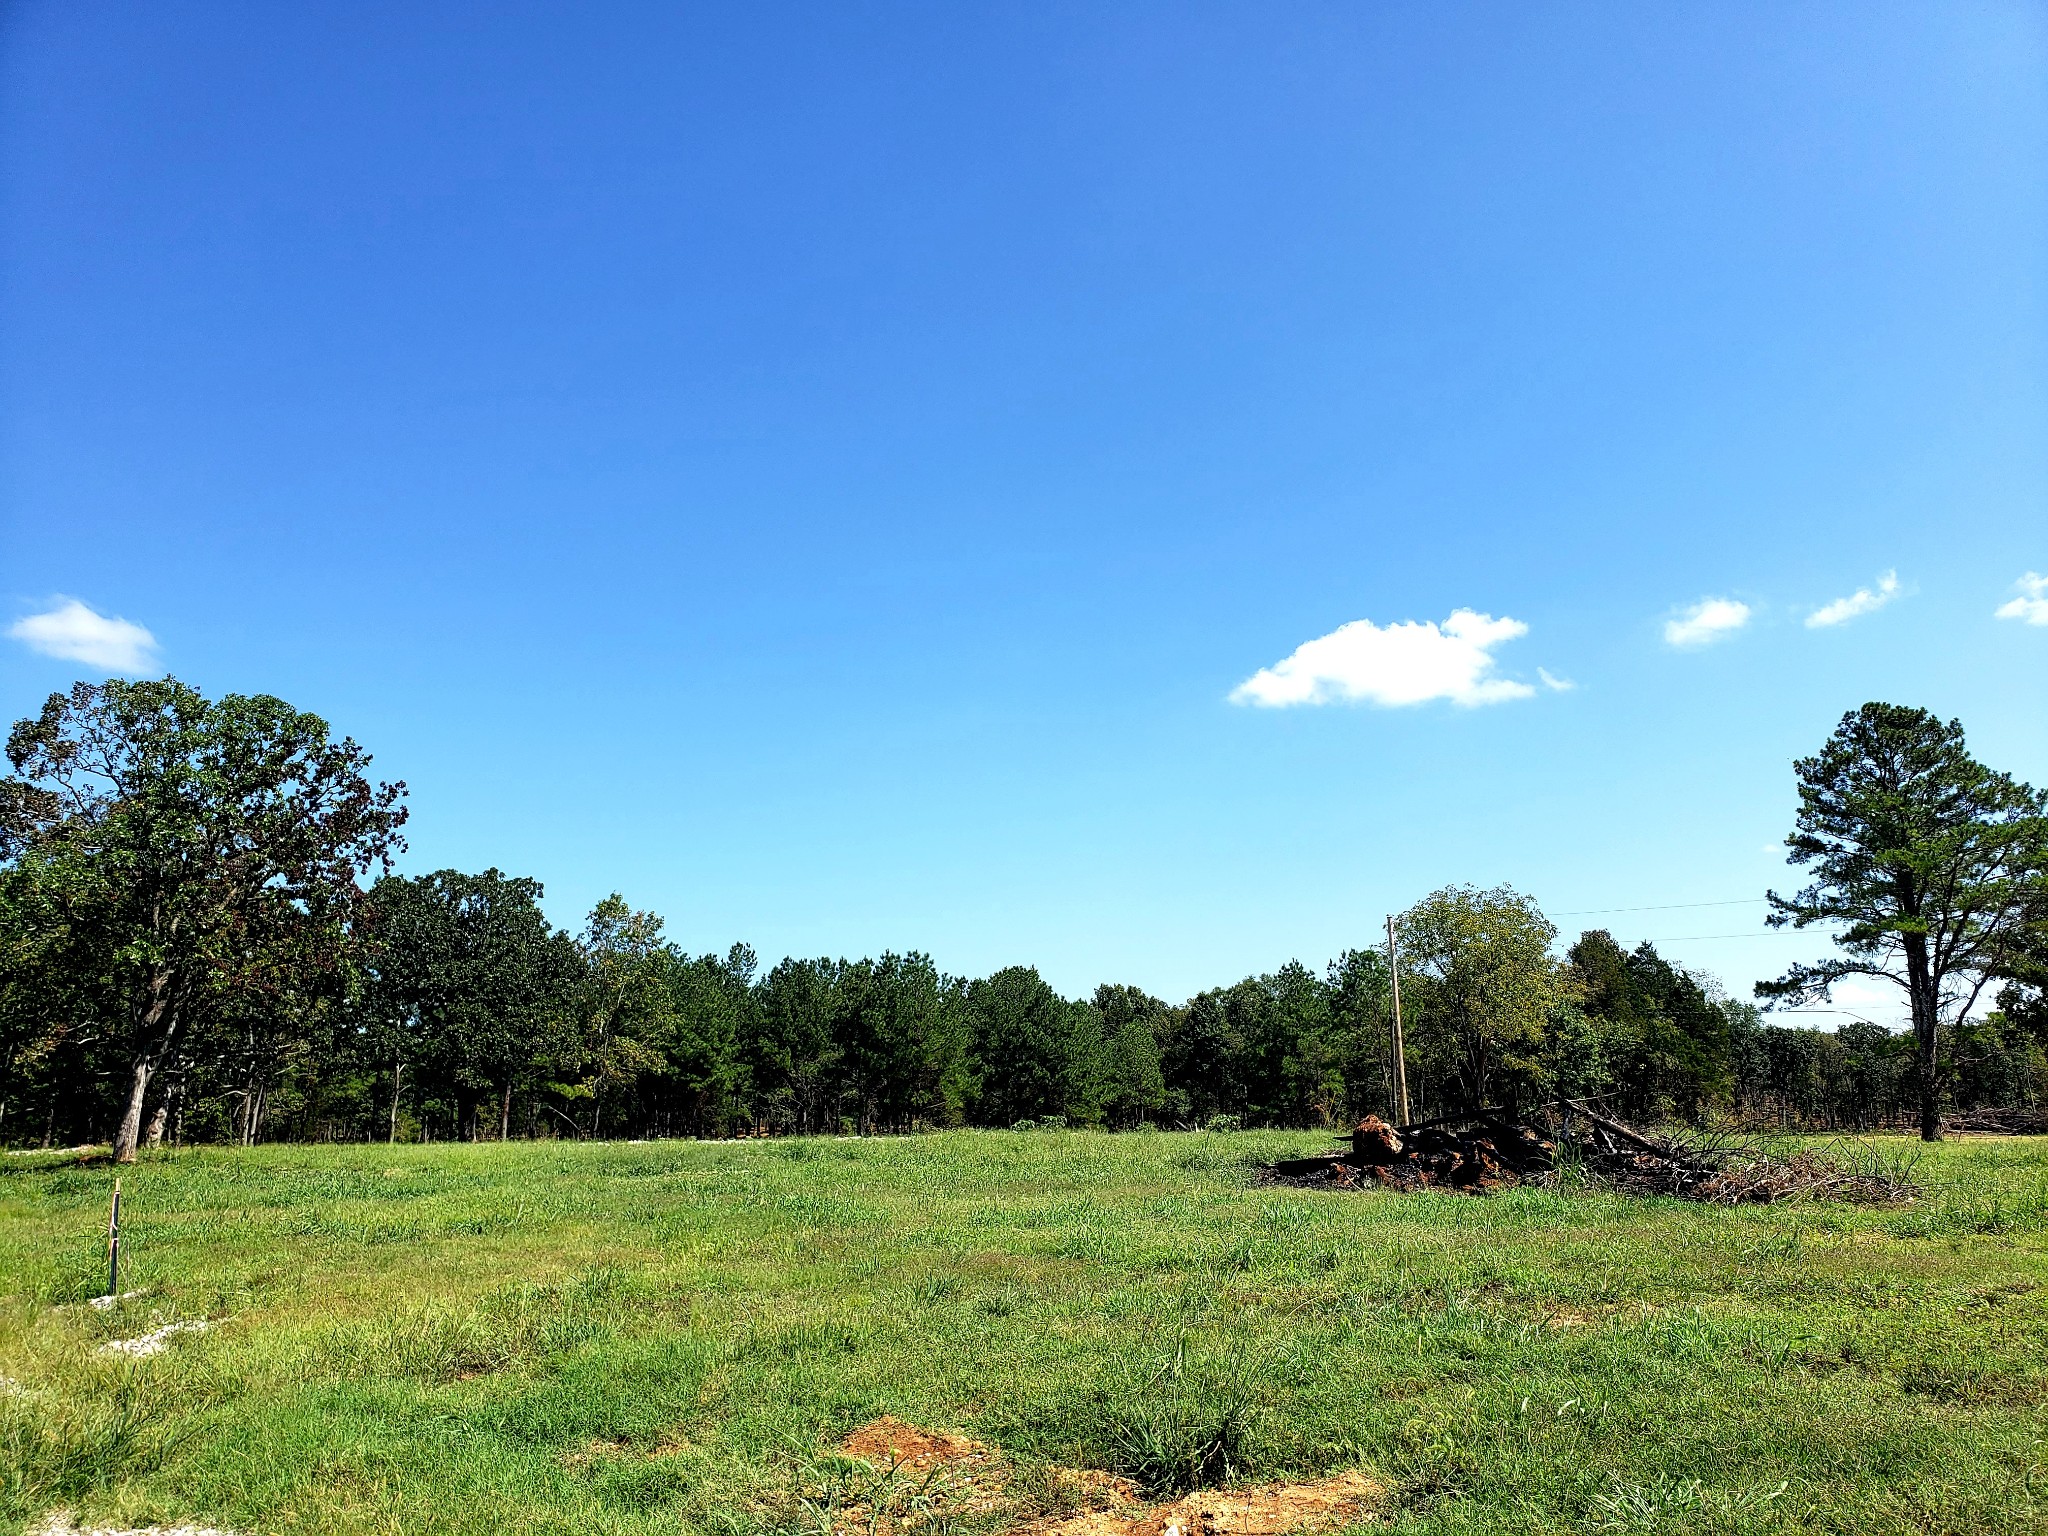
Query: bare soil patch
point(1272, 1509)
point(940, 1476)
point(889, 1442)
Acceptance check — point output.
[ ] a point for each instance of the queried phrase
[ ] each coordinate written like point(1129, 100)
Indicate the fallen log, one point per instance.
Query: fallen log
point(1458, 1119)
point(1619, 1131)
point(1302, 1167)
point(1997, 1122)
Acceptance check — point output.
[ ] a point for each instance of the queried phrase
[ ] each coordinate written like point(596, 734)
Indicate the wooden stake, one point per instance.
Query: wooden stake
point(1400, 1056)
point(114, 1243)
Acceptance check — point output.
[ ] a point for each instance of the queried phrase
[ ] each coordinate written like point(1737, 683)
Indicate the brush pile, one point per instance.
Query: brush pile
point(1478, 1152)
point(1487, 1150)
point(1997, 1122)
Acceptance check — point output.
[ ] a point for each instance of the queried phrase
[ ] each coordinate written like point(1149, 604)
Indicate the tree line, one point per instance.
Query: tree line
point(202, 940)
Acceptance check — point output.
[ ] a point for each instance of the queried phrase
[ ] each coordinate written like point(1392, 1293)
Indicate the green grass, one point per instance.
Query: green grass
point(670, 1337)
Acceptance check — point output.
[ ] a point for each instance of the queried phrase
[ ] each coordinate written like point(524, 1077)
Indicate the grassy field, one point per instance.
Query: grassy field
point(671, 1337)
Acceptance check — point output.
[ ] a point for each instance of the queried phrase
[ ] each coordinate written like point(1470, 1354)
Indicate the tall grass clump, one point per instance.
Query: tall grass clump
point(1177, 1420)
point(56, 1448)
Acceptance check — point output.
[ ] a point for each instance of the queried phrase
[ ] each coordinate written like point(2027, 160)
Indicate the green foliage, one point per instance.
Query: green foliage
point(471, 986)
point(1664, 1041)
point(1932, 867)
point(1134, 1084)
point(1035, 1053)
point(188, 862)
point(281, 1002)
point(1482, 988)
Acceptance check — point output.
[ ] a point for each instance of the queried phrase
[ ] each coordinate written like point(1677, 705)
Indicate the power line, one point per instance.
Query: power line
point(1741, 901)
point(1768, 933)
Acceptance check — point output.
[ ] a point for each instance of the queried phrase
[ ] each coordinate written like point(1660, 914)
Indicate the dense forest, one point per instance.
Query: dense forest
point(202, 941)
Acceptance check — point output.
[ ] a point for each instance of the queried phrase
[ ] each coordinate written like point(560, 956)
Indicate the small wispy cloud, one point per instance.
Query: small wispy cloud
point(1555, 684)
point(71, 631)
point(1863, 600)
point(1406, 663)
point(1708, 620)
point(2031, 606)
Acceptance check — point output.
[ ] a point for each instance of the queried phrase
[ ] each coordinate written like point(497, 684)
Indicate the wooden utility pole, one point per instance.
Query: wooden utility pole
point(1400, 1055)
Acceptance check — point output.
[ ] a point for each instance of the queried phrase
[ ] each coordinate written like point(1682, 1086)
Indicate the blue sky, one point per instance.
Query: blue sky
point(855, 476)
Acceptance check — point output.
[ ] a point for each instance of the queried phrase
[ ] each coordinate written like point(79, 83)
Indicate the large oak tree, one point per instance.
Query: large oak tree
point(191, 848)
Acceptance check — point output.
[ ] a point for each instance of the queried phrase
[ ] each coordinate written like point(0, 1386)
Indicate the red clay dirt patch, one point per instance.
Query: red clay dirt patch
point(1275, 1509)
point(889, 1442)
point(957, 1476)
point(927, 1478)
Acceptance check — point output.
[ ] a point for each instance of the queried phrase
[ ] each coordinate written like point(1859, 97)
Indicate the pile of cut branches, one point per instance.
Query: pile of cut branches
point(1487, 1150)
point(1476, 1152)
point(1997, 1122)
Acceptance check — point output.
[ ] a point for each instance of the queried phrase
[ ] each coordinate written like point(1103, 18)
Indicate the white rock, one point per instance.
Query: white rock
point(155, 1342)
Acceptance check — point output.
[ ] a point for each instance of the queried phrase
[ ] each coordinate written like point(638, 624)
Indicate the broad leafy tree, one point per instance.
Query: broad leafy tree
point(1481, 986)
point(628, 999)
point(1929, 865)
point(472, 984)
point(190, 847)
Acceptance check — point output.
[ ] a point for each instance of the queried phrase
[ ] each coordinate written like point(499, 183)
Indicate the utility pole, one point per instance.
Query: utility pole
point(1400, 1056)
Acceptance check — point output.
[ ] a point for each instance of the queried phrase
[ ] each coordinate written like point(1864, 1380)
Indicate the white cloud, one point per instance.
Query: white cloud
point(2031, 606)
point(1555, 684)
point(73, 632)
point(1708, 620)
point(1406, 663)
point(1863, 600)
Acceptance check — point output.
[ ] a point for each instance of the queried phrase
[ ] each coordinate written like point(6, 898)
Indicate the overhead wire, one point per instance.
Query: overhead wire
point(1688, 906)
point(1673, 906)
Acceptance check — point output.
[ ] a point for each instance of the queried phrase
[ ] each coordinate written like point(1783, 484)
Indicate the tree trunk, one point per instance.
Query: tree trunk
point(129, 1131)
point(1926, 1001)
point(397, 1077)
point(1930, 1090)
point(505, 1113)
point(170, 1115)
